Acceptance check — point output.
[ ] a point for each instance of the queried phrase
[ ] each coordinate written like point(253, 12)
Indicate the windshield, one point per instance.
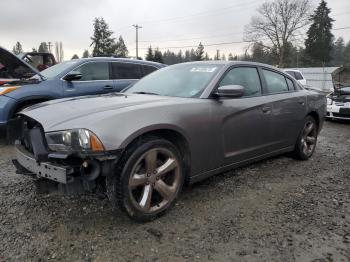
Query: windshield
point(183, 80)
point(55, 70)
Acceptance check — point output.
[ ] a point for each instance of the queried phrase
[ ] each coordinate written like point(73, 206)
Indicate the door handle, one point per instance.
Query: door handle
point(108, 87)
point(301, 102)
point(266, 109)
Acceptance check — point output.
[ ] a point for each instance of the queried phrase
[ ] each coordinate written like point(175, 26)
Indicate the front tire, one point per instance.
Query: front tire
point(306, 143)
point(149, 179)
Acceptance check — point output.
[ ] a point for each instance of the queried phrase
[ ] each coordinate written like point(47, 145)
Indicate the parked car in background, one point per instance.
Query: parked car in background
point(40, 61)
point(297, 75)
point(76, 77)
point(12, 68)
point(180, 124)
point(338, 102)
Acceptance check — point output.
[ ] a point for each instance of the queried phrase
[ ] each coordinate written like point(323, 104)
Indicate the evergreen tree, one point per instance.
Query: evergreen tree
point(102, 41)
point(34, 50)
point(347, 54)
point(17, 49)
point(150, 54)
point(206, 57)
point(318, 45)
point(193, 56)
point(158, 56)
point(223, 57)
point(230, 57)
point(199, 53)
point(43, 47)
point(86, 54)
point(187, 56)
point(75, 56)
point(120, 48)
point(179, 57)
point(338, 52)
point(217, 55)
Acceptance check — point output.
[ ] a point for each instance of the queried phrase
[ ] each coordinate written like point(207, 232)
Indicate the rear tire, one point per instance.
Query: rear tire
point(148, 179)
point(306, 142)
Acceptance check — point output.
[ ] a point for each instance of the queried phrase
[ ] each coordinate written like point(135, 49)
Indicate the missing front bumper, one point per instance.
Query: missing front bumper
point(54, 172)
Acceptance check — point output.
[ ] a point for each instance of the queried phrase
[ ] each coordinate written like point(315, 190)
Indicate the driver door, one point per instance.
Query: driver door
point(95, 80)
point(245, 123)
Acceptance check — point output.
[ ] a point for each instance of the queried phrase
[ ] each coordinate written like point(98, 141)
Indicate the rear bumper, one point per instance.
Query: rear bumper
point(54, 172)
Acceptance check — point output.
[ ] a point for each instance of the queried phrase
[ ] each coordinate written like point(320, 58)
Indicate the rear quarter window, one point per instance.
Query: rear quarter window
point(148, 69)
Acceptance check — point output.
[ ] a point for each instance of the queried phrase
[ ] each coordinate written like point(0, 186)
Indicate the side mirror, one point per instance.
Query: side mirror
point(233, 91)
point(74, 75)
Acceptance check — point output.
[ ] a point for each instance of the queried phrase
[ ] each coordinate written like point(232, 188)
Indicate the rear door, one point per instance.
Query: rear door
point(125, 74)
point(245, 123)
point(95, 80)
point(288, 107)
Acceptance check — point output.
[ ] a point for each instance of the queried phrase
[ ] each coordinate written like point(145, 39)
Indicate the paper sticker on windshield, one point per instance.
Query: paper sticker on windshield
point(203, 69)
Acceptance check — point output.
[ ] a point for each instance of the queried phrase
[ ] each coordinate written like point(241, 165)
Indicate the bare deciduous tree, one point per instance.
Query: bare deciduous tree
point(278, 23)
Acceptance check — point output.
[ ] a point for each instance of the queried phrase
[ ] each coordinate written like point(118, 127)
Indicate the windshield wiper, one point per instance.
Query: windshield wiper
point(145, 93)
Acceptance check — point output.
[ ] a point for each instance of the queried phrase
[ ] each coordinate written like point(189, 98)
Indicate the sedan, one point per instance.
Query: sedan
point(178, 125)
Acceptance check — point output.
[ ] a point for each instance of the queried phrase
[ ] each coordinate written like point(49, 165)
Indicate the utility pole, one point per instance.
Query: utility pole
point(137, 27)
point(49, 45)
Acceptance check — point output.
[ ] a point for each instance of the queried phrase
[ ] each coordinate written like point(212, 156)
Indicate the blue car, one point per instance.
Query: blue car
point(89, 76)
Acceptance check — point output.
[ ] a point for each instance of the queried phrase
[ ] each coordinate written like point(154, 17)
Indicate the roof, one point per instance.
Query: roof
point(122, 60)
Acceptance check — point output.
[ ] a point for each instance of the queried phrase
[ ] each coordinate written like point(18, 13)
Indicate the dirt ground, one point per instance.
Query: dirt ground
point(276, 210)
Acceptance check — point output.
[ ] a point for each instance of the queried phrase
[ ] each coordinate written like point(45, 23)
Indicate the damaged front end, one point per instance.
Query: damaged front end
point(73, 160)
point(338, 102)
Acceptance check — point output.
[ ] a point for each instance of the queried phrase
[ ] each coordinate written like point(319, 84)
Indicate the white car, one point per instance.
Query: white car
point(297, 75)
point(338, 102)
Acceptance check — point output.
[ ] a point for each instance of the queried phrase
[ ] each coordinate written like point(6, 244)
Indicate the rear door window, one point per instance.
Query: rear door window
point(276, 83)
point(148, 69)
point(126, 70)
point(247, 77)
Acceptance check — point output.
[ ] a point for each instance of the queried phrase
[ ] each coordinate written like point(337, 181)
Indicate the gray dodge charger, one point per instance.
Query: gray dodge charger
point(178, 125)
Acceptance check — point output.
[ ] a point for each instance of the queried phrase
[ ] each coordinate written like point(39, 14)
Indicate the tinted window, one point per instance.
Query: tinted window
point(298, 76)
point(94, 71)
point(245, 76)
point(291, 73)
point(290, 84)
point(148, 69)
point(126, 71)
point(276, 83)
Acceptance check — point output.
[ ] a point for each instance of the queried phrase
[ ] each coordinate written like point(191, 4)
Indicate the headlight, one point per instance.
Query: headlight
point(74, 140)
point(329, 101)
point(5, 90)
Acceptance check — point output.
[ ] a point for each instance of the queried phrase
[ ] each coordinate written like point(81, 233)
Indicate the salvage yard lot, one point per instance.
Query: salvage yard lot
point(276, 210)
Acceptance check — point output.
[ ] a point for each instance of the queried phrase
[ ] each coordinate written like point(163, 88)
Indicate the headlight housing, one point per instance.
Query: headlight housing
point(7, 89)
point(75, 140)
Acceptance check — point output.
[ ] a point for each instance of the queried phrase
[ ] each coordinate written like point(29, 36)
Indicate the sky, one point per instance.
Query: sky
point(165, 23)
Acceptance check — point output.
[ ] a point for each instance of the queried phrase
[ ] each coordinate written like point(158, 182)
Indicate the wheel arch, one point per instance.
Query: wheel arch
point(28, 101)
point(167, 132)
point(316, 116)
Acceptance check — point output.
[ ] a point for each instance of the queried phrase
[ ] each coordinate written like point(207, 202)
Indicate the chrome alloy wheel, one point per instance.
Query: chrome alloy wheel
point(155, 180)
point(309, 138)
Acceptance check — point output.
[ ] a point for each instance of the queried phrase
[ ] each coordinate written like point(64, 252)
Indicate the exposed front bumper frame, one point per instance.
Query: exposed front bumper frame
point(54, 172)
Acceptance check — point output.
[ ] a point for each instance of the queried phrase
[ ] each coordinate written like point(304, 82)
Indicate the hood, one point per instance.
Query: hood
point(72, 112)
point(12, 67)
point(341, 77)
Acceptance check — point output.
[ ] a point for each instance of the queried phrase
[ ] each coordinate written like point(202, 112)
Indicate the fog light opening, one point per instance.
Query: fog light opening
point(90, 170)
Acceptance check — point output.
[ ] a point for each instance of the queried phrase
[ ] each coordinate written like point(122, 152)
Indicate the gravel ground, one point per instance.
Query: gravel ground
point(276, 210)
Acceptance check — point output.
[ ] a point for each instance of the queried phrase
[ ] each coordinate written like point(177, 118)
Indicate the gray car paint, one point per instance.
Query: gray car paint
point(221, 133)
